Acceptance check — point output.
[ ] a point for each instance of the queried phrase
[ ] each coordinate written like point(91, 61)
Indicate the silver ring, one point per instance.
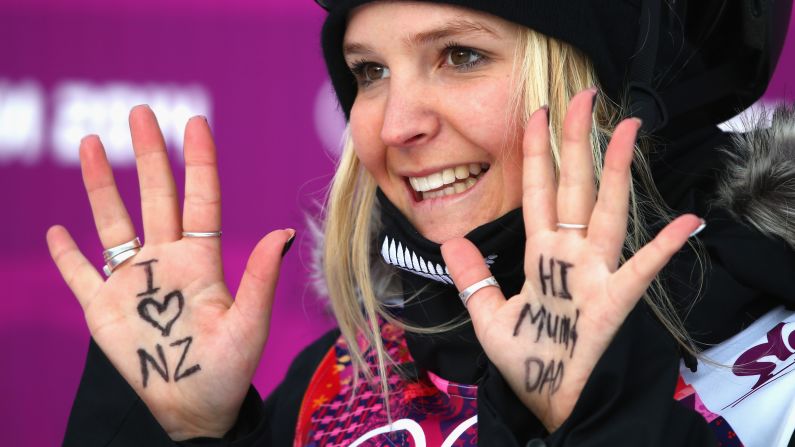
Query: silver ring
point(469, 291)
point(201, 234)
point(114, 262)
point(571, 226)
point(112, 252)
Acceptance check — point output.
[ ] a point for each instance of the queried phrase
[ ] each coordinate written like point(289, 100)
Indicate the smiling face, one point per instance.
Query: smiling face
point(432, 118)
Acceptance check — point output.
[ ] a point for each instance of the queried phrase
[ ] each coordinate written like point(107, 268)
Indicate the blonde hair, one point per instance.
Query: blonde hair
point(548, 72)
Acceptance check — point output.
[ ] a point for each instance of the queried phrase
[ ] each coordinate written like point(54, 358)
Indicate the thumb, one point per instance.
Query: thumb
point(467, 266)
point(254, 298)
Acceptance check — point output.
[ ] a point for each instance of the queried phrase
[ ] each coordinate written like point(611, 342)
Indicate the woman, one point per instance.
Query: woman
point(442, 144)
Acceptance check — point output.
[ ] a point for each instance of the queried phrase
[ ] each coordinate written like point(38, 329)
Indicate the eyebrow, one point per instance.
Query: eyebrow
point(450, 29)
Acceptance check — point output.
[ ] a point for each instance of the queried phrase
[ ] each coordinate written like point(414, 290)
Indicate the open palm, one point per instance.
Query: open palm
point(165, 317)
point(547, 339)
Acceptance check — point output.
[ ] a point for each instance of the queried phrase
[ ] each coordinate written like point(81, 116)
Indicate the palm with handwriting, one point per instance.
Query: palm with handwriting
point(165, 318)
point(547, 339)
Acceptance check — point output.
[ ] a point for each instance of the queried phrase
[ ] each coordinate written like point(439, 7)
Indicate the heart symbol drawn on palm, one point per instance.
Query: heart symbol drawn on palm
point(161, 320)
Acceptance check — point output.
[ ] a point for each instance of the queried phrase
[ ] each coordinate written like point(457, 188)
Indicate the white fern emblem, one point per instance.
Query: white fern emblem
point(396, 254)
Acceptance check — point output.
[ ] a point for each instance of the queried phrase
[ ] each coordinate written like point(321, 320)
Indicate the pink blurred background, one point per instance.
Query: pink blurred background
point(69, 69)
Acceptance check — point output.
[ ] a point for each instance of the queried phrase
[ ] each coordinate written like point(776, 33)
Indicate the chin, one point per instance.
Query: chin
point(454, 225)
point(442, 235)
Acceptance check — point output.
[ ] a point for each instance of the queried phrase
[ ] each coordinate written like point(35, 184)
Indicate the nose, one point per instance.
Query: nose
point(410, 117)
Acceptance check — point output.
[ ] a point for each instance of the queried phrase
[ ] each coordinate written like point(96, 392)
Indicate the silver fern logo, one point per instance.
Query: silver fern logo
point(395, 253)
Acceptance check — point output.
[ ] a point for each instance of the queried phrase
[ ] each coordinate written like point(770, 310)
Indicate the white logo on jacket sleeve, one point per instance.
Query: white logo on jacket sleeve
point(416, 432)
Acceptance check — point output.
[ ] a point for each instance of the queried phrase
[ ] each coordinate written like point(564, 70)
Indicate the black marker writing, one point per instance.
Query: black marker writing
point(564, 284)
point(160, 364)
point(177, 374)
point(150, 277)
point(560, 329)
point(527, 310)
point(147, 359)
point(162, 316)
point(547, 277)
point(539, 375)
point(159, 320)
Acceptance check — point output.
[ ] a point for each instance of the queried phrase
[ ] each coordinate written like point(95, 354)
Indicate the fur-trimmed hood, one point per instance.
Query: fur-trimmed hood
point(758, 187)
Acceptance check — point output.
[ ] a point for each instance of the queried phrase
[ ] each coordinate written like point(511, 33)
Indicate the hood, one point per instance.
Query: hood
point(758, 186)
point(682, 64)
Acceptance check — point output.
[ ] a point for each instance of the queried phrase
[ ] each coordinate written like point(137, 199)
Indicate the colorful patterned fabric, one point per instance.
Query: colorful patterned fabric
point(426, 411)
point(687, 396)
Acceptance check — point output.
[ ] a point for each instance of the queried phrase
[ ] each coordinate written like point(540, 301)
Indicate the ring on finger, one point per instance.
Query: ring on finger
point(119, 259)
point(572, 226)
point(201, 233)
point(469, 291)
point(114, 251)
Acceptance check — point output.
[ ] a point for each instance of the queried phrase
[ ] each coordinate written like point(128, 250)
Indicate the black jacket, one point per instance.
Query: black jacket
point(628, 398)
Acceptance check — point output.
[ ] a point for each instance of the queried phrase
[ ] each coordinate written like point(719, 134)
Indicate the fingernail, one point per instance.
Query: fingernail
point(699, 229)
point(640, 121)
point(595, 97)
point(545, 108)
point(91, 135)
point(289, 242)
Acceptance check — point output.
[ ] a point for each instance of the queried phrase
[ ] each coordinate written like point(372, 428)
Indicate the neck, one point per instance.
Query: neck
point(430, 300)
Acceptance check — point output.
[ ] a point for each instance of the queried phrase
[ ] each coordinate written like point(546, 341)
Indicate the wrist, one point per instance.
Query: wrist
point(192, 429)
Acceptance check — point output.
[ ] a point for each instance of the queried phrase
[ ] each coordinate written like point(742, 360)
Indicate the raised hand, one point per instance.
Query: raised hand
point(165, 317)
point(547, 339)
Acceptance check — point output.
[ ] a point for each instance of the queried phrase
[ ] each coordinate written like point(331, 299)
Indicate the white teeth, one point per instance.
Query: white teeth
point(435, 180)
point(448, 181)
point(455, 188)
point(434, 194)
point(448, 176)
point(422, 184)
